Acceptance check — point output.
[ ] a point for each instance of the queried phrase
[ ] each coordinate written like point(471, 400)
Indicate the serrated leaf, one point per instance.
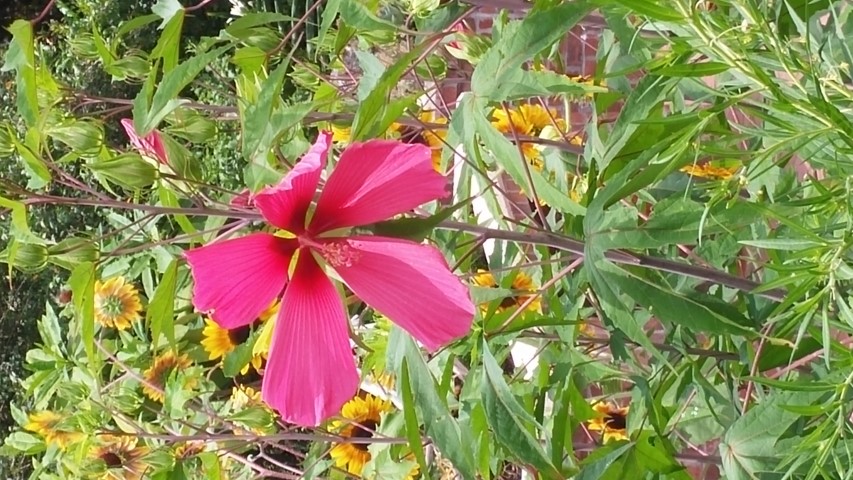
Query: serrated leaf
point(164, 101)
point(356, 14)
point(376, 113)
point(510, 422)
point(244, 25)
point(669, 306)
point(169, 42)
point(413, 430)
point(439, 424)
point(501, 64)
point(747, 448)
point(160, 315)
point(21, 57)
point(257, 115)
point(82, 283)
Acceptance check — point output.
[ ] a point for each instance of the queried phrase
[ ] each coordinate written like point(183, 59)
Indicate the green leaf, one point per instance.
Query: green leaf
point(36, 168)
point(699, 315)
point(169, 199)
point(164, 100)
point(169, 42)
point(507, 155)
point(20, 224)
point(21, 57)
point(510, 422)
point(439, 424)
point(330, 13)
point(128, 170)
point(356, 14)
point(793, 244)
point(748, 446)
point(530, 83)
point(500, 68)
point(601, 460)
point(237, 359)
point(646, 96)
point(167, 9)
point(675, 220)
point(415, 228)
point(244, 25)
point(702, 69)
point(25, 442)
point(160, 315)
point(82, 283)
point(211, 465)
point(376, 113)
point(650, 8)
point(257, 115)
point(413, 431)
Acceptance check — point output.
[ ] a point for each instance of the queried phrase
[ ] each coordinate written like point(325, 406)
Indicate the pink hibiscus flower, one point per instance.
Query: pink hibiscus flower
point(150, 145)
point(311, 371)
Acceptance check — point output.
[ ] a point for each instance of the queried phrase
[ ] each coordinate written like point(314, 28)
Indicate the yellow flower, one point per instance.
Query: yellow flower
point(341, 134)
point(243, 396)
point(117, 303)
point(521, 282)
point(159, 372)
point(48, 424)
point(529, 120)
point(189, 449)
point(219, 342)
point(363, 416)
point(710, 171)
point(434, 139)
point(611, 421)
point(122, 458)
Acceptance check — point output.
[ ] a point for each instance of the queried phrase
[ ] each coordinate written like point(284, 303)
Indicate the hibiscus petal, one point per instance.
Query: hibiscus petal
point(408, 282)
point(238, 279)
point(286, 204)
point(310, 372)
point(374, 181)
point(151, 145)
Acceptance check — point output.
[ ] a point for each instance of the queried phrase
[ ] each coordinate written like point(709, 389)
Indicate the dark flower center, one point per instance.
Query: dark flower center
point(239, 335)
point(112, 459)
point(508, 302)
point(615, 421)
point(364, 429)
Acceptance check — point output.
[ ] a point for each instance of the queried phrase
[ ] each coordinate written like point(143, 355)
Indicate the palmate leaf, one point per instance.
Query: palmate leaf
point(747, 448)
point(499, 76)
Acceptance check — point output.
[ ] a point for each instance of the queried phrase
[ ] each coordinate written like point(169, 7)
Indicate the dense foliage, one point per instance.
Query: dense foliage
point(661, 290)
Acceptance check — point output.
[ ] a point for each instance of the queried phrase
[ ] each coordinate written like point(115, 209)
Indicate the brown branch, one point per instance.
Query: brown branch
point(43, 13)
